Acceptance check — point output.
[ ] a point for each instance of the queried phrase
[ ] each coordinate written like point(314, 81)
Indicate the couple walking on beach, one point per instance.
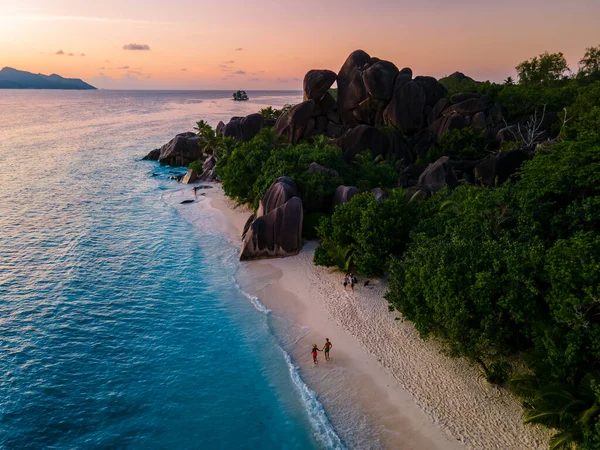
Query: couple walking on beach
point(325, 349)
point(351, 280)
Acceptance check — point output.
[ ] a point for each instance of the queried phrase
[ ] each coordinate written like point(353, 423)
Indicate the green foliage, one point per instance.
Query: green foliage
point(209, 140)
point(584, 115)
point(334, 93)
point(311, 222)
point(316, 189)
point(546, 68)
point(272, 113)
point(240, 170)
point(466, 143)
point(367, 231)
point(368, 173)
point(522, 100)
point(515, 271)
point(196, 166)
point(589, 65)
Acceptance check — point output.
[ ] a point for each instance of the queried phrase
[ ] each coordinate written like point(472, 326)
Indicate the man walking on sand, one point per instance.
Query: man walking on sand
point(326, 348)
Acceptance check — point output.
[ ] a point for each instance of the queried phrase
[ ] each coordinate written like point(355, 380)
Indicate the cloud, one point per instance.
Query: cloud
point(123, 67)
point(296, 79)
point(60, 52)
point(254, 79)
point(239, 49)
point(135, 72)
point(71, 54)
point(82, 54)
point(282, 80)
point(59, 18)
point(101, 68)
point(136, 47)
point(238, 72)
point(229, 62)
point(183, 70)
point(106, 61)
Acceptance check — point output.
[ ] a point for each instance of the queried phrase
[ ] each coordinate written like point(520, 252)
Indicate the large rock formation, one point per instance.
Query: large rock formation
point(179, 151)
point(438, 175)
point(317, 83)
point(297, 123)
point(190, 177)
point(343, 194)
point(243, 128)
point(361, 138)
point(276, 230)
point(498, 169)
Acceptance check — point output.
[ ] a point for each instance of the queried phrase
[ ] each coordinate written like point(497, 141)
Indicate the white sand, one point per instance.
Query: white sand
point(413, 395)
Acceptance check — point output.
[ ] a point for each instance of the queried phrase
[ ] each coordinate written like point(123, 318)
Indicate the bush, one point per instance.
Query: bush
point(363, 233)
point(466, 143)
point(240, 170)
point(584, 115)
point(196, 165)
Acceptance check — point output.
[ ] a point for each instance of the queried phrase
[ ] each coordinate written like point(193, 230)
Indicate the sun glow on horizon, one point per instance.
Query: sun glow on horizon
point(199, 45)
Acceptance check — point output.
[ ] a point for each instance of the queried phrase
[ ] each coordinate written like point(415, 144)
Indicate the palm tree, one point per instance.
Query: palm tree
point(570, 409)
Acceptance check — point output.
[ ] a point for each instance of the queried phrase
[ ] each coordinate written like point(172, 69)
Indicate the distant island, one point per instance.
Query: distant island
point(18, 79)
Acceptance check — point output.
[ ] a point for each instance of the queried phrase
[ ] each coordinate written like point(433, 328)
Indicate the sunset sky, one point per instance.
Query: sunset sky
point(269, 44)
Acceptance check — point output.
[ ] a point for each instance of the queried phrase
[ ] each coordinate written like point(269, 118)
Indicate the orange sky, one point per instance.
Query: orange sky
point(269, 44)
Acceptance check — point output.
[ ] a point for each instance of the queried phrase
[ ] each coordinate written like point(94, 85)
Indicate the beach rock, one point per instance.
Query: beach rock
point(378, 194)
point(421, 142)
point(153, 155)
point(379, 79)
point(181, 150)
point(328, 105)
point(362, 138)
point(370, 111)
point(282, 189)
point(459, 98)
point(468, 107)
point(209, 169)
point(317, 83)
point(318, 168)
point(190, 177)
point(495, 113)
point(406, 71)
point(438, 109)
point(244, 128)
point(351, 87)
point(479, 121)
point(297, 123)
point(417, 193)
point(343, 194)
point(439, 174)
point(220, 127)
point(405, 110)
point(448, 123)
point(276, 234)
point(499, 169)
point(334, 130)
point(434, 90)
point(506, 134)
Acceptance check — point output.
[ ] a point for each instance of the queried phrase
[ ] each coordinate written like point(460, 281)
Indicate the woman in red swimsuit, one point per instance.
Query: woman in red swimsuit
point(315, 349)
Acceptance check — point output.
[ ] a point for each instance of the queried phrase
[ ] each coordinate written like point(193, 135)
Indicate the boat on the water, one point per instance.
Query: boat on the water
point(240, 96)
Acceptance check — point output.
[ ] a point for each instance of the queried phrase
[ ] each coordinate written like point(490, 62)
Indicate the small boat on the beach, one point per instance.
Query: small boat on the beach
point(240, 96)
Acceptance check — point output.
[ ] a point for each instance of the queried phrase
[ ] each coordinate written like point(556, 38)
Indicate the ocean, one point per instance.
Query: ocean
point(121, 325)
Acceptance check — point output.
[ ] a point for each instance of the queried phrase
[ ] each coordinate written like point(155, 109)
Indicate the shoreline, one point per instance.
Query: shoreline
point(408, 391)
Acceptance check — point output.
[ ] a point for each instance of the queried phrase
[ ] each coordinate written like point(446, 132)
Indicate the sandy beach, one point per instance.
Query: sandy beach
point(406, 391)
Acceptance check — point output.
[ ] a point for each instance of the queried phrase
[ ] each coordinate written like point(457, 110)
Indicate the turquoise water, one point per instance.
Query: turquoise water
point(120, 325)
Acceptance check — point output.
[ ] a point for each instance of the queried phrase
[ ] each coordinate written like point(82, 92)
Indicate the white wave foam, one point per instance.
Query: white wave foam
point(323, 430)
point(254, 300)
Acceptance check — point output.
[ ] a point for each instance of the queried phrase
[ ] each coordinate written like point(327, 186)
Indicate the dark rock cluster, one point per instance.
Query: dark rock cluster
point(276, 228)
